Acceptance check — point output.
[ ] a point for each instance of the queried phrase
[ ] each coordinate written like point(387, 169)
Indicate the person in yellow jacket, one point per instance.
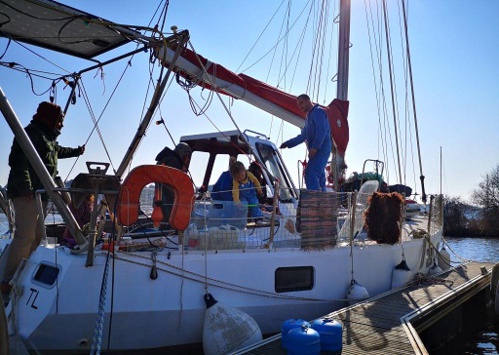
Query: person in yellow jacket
point(245, 187)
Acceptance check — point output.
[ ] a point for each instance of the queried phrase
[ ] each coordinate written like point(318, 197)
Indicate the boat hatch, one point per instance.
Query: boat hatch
point(61, 28)
point(46, 275)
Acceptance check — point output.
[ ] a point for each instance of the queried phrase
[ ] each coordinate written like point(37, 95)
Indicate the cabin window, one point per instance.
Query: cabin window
point(275, 167)
point(296, 278)
point(46, 275)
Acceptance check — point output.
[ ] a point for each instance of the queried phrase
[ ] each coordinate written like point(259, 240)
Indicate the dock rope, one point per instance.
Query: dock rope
point(421, 279)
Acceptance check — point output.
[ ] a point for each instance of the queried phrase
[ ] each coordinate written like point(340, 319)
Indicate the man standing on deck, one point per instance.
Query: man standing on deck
point(317, 134)
point(23, 182)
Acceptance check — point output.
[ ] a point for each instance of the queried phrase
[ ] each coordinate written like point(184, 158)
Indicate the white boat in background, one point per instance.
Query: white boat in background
point(146, 288)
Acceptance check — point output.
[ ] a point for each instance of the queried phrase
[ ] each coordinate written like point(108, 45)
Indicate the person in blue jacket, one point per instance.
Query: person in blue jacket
point(222, 190)
point(317, 134)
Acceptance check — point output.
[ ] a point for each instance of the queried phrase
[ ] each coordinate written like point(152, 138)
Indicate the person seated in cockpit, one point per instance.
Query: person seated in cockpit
point(245, 187)
point(222, 190)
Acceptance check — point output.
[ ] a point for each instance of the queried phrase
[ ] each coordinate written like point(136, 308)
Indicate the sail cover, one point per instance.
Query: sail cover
point(213, 76)
point(58, 27)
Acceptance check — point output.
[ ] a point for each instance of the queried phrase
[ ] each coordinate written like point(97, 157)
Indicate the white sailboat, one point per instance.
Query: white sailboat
point(148, 292)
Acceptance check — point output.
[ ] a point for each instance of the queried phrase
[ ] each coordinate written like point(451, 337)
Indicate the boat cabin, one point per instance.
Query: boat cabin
point(256, 147)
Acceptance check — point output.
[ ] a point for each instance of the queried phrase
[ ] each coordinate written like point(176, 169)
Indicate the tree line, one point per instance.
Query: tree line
point(479, 220)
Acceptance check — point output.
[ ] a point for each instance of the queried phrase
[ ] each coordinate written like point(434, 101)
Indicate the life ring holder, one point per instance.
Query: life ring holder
point(128, 198)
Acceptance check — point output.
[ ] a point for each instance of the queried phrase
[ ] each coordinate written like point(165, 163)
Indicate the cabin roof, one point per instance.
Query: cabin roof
point(228, 142)
point(58, 27)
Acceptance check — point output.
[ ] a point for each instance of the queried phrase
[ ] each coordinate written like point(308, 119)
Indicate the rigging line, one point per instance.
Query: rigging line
point(92, 115)
point(285, 47)
point(260, 36)
point(163, 15)
point(96, 122)
point(287, 17)
point(378, 94)
point(96, 127)
point(386, 136)
point(298, 49)
point(392, 83)
point(313, 57)
point(30, 75)
point(407, 151)
point(329, 57)
point(320, 52)
point(41, 57)
point(33, 72)
point(215, 89)
point(323, 30)
point(9, 41)
point(279, 40)
point(220, 131)
point(413, 101)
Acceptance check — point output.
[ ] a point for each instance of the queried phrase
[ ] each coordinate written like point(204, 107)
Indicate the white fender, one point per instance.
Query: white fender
point(227, 329)
point(444, 258)
point(356, 293)
point(435, 270)
point(401, 275)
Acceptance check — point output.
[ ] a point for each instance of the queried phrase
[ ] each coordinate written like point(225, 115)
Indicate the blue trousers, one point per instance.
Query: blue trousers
point(315, 175)
point(248, 197)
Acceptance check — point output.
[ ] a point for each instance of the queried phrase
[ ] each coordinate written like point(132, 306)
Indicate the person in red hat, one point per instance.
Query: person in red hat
point(23, 182)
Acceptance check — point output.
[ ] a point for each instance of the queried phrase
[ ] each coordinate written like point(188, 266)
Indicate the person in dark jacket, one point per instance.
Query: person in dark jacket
point(179, 158)
point(23, 182)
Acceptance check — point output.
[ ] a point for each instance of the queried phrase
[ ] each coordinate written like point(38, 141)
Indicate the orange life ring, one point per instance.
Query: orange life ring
point(128, 198)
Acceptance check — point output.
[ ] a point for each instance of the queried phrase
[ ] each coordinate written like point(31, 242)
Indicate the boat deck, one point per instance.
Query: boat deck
point(389, 323)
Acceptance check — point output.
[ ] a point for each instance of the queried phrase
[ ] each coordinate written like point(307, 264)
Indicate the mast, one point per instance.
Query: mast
point(338, 161)
point(343, 50)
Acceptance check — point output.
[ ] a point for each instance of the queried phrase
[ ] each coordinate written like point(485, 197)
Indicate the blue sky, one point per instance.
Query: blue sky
point(454, 55)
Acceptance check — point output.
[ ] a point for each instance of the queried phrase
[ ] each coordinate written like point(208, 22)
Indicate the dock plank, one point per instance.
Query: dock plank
point(379, 325)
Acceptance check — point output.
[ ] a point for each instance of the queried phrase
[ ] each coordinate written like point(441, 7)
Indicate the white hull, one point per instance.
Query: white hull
point(169, 311)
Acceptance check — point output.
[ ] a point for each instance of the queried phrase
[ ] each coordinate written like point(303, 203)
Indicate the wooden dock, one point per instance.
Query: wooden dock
point(390, 322)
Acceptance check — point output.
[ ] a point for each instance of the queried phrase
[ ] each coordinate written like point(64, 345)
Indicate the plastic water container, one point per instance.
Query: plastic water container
point(303, 341)
point(330, 332)
point(217, 213)
point(287, 326)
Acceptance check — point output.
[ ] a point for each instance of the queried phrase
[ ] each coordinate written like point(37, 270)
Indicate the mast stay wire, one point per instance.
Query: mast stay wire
point(413, 102)
point(393, 91)
point(407, 149)
point(374, 33)
point(385, 135)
